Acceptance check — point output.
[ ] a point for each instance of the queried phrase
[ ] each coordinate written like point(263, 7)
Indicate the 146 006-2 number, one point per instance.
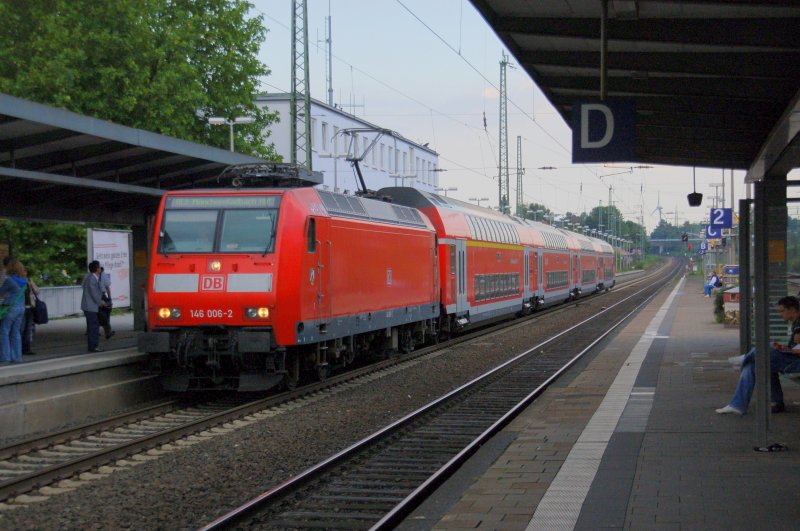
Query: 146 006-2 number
point(211, 314)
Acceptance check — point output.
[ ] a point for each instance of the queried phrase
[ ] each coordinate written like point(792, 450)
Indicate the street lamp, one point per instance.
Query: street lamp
point(239, 120)
point(478, 200)
point(445, 190)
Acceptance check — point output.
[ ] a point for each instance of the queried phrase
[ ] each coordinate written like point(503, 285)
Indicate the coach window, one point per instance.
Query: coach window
point(312, 235)
point(487, 233)
point(479, 228)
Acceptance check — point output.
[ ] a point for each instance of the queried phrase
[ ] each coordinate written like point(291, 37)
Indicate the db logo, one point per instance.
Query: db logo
point(212, 283)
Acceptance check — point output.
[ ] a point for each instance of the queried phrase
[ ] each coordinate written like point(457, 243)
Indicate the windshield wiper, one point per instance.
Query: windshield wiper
point(165, 240)
point(269, 243)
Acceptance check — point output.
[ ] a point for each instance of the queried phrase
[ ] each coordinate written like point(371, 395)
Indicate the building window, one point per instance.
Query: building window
point(325, 140)
point(364, 148)
point(421, 171)
point(383, 157)
point(311, 139)
point(373, 156)
point(405, 163)
point(391, 154)
point(335, 141)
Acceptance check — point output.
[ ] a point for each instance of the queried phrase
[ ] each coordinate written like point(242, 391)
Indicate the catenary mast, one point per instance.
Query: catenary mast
point(300, 97)
point(502, 173)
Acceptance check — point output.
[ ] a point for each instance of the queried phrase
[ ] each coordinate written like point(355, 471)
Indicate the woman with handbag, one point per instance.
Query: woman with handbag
point(12, 294)
point(28, 326)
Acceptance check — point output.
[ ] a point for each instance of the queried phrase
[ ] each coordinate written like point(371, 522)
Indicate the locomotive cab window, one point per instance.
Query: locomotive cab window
point(188, 231)
point(221, 224)
point(312, 235)
point(247, 231)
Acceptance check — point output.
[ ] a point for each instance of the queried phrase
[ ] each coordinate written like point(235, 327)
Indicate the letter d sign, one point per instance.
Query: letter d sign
point(603, 131)
point(588, 108)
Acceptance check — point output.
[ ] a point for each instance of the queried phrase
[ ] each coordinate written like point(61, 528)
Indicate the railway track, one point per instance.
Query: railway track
point(379, 480)
point(35, 463)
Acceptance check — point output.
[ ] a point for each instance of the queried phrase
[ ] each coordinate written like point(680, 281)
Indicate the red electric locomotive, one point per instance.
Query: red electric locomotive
point(248, 287)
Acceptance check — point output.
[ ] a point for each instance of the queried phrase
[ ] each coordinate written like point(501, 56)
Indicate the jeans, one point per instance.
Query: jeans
point(93, 328)
point(11, 340)
point(779, 362)
point(707, 289)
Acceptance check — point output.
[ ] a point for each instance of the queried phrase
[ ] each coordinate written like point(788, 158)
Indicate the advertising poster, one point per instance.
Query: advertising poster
point(112, 248)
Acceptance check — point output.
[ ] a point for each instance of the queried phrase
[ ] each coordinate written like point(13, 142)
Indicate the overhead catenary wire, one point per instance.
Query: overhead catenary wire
point(456, 118)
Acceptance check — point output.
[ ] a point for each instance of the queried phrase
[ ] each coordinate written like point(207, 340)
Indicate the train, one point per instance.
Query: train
point(251, 287)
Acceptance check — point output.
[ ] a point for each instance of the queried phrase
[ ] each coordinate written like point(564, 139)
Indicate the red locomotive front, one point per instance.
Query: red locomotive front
point(211, 287)
point(249, 288)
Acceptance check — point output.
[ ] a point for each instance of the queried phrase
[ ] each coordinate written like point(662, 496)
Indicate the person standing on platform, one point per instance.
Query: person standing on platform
point(104, 315)
point(782, 359)
point(91, 302)
point(12, 295)
point(28, 326)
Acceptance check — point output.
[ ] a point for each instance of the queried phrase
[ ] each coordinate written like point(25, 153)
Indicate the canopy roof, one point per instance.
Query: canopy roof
point(59, 165)
point(715, 82)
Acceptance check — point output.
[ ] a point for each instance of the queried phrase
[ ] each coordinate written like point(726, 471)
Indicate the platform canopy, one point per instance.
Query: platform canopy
point(715, 84)
point(62, 166)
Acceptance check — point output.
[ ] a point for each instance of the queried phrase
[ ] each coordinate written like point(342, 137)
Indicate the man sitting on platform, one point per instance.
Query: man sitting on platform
point(783, 359)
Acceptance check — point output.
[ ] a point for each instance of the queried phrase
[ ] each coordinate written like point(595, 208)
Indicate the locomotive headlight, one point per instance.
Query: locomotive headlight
point(215, 265)
point(257, 313)
point(169, 313)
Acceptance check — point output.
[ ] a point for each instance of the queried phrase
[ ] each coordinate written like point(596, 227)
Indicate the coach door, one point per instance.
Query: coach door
point(461, 277)
point(526, 275)
point(540, 286)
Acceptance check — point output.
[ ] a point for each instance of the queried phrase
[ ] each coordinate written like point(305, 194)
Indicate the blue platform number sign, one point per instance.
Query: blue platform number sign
point(603, 131)
point(722, 218)
point(703, 246)
point(712, 232)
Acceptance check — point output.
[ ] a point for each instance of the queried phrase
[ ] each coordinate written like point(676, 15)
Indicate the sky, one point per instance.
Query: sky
point(430, 70)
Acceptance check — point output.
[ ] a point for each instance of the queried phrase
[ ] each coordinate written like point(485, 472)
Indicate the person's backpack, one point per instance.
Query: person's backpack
point(718, 283)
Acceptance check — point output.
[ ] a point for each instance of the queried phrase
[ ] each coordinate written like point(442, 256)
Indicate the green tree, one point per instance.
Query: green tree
point(160, 65)
point(54, 254)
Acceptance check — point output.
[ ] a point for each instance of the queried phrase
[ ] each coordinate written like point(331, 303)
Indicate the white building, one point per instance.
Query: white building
point(392, 161)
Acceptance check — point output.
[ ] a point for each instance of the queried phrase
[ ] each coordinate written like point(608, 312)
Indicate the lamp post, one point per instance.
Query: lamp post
point(448, 189)
point(478, 200)
point(239, 120)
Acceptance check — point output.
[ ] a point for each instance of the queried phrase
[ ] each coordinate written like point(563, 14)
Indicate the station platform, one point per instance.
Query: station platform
point(630, 440)
point(62, 383)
